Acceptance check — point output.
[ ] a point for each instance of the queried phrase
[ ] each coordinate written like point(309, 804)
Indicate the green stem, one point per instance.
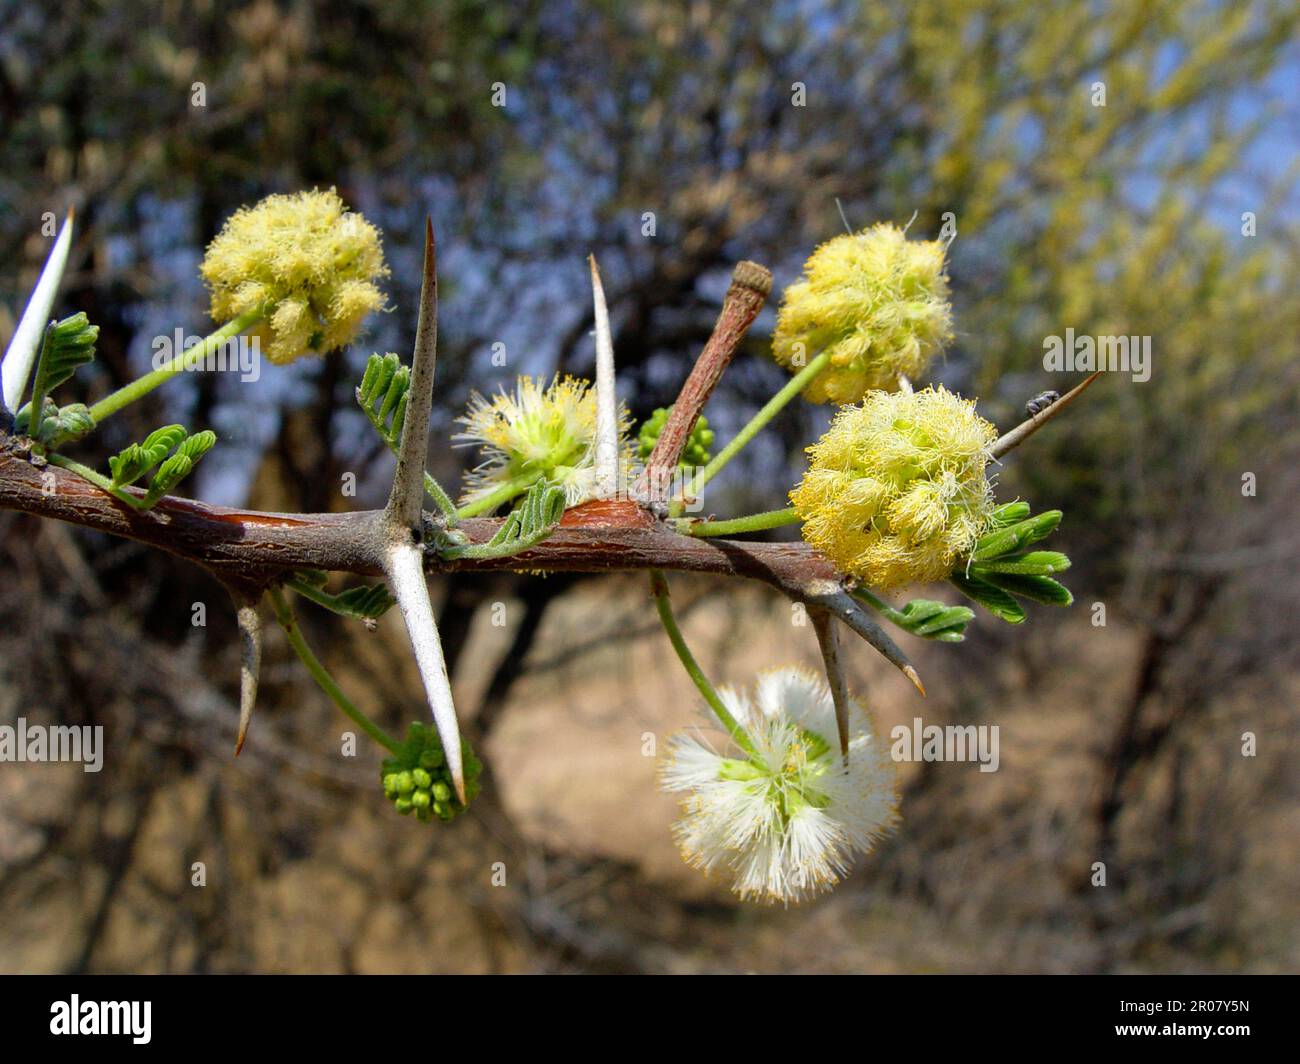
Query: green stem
point(129, 393)
point(505, 493)
point(659, 588)
point(774, 406)
point(738, 525)
point(99, 480)
point(37, 406)
point(284, 614)
point(441, 499)
point(862, 593)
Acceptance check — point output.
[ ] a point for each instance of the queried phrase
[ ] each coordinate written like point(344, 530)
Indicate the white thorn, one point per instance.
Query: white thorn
point(250, 664)
point(21, 354)
point(405, 569)
point(606, 394)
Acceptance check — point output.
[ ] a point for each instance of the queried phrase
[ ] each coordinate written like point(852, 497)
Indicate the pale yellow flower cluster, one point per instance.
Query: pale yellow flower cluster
point(306, 263)
point(896, 491)
point(876, 302)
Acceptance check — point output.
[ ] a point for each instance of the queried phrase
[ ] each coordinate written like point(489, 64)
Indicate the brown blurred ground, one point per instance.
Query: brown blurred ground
point(309, 870)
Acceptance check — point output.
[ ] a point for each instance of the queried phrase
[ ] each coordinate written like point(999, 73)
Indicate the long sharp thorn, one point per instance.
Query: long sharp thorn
point(403, 556)
point(828, 640)
point(404, 565)
point(250, 665)
point(20, 356)
point(850, 611)
point(606, 393)
point(1025, 429)
point(407, 496)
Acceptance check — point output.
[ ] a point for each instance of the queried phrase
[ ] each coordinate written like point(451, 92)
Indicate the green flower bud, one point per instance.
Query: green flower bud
point(696, 452)
point(415, 778)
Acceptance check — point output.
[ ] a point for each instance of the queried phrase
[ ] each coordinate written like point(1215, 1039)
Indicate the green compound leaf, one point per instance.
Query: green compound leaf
point(365, 603)
point(1000, 570)
point(997, 601)
point(179, 465)
point(1042, 589)
point(1032, 563)
point(368, 602)
point(65, 346)
point(527, 525)
point(932, 620)
point(1009, 513)
point(1016, 537)
point(71, 344)
point(136, 460)
point(383, 395)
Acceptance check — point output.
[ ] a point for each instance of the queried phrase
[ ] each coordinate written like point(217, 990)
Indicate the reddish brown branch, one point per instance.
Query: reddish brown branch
point(750, 287)
point(250, 549)
point(254, 545)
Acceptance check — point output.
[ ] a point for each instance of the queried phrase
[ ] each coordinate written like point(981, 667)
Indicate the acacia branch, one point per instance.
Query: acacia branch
point(252, 550)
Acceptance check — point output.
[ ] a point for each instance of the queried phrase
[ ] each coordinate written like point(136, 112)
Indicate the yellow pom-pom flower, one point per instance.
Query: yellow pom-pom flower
point(876, 302)
point(533, 433)
point(306, 263)
point(896, 490)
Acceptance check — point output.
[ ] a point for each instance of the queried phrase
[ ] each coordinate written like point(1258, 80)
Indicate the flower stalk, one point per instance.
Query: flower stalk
point(186, 360)
point(289, 622)
point(659, 589)
point(753, 427)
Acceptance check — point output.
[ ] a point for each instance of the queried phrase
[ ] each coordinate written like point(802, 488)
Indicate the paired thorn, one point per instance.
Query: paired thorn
point(606, 393)
point(402, 551)
point(841, 604)
point(20, 357)
point(828, 640)
point(250, 665)
point(404, 566)
point(1025, 429)
point(405, 501)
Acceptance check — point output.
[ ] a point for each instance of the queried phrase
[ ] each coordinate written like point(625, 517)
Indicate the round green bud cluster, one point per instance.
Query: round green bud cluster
point(695, 453)
point(416, 779)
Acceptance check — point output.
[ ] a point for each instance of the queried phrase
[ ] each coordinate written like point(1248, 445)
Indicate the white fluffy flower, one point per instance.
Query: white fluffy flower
point(786, 821)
